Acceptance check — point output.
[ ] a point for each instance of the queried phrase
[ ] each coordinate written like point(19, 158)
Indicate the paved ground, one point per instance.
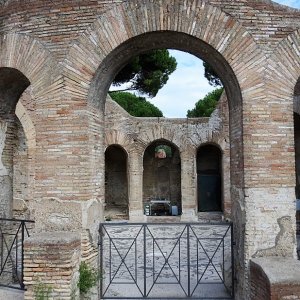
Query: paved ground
point(161, 265)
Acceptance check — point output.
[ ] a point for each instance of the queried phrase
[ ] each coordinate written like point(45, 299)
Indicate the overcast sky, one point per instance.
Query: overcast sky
point(187, 84)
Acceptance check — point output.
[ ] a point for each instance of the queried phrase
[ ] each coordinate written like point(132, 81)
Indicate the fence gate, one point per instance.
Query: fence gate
point(12, 235)
point(166, 261)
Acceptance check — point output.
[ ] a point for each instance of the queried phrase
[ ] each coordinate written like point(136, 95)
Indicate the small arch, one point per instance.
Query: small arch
point(162, 176)
point(209, 178)
point(116, 182)
point(12, 84)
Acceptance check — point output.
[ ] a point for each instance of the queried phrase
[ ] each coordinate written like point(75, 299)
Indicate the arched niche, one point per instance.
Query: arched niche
point(12, 85)
point(116, 183)
point(209, 179)
point(162, 176)
point(121, 55)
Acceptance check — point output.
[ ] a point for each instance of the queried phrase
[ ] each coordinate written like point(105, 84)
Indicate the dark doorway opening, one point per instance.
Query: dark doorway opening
point(116, 183)
point(209, 179)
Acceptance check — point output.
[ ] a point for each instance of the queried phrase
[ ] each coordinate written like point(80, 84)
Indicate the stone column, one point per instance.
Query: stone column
point(188, 186)
point(135, 186)
point(69, 177)
point(267, 215)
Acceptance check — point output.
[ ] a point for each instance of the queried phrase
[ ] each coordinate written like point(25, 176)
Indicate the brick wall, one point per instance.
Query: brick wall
point(186, 134)
point(274, 279)
point(70, 52)
point(116, 182)
point(260, 285)
point(51, 264)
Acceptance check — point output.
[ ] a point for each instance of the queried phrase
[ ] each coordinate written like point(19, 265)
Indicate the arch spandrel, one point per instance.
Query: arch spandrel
point(211, 27)
point(127, 142)
point(284, 66)
point(27, 55)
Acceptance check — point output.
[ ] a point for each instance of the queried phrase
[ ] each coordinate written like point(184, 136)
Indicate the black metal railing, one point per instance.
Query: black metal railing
point(12, 235)
point(166, 261)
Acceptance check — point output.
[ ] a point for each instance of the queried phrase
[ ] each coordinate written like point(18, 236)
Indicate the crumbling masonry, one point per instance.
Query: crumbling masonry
point(57, 61)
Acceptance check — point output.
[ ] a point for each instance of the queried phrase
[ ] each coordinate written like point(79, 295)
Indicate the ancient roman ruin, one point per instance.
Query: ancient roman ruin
point(70, 156)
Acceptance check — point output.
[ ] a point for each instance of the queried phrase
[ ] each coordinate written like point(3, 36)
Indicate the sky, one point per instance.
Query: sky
point(187, 84)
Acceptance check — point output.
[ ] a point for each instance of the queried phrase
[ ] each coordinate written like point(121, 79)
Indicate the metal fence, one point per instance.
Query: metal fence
point(12, 235)
point(166, 261)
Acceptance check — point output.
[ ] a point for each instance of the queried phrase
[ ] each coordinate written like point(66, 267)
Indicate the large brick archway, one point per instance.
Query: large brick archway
point(233, 52)
point(223, 49)
point(71, 61)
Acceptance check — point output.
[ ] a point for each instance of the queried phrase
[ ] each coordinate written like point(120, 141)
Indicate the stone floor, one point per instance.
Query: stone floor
point(168, 272)
point(11, 294)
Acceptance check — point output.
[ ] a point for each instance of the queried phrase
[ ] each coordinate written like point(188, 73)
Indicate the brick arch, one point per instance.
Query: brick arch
point(198, 27)
point(169, 135)
point(27, 124)
point(285, 73)
point(162, 140)
point(118, 35)
point(287, 69)
point(194, 26)
point(28, 56)
point(282, 74)
point(116, 137)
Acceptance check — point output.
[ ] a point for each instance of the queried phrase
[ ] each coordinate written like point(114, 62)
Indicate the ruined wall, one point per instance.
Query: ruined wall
point(162, 176)
point(70, 51)
point(116, 182)
point(139, 134)
point(5, 178)
point(274, 279)
point(20, 204)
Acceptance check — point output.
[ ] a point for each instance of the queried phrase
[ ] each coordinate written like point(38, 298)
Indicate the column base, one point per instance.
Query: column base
point(189, 215)
point(137, 216)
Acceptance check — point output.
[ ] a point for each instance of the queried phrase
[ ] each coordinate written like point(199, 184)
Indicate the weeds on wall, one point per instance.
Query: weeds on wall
point(88, 277)
point(42, 291)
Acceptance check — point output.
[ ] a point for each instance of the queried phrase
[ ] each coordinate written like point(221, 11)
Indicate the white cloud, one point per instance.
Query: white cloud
point(291, 3)
point(185, 86)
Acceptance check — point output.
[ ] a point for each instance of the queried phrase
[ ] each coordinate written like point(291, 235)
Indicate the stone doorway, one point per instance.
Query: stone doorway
point(162, 176)
point(209, 178)
point(13, 145)
point(116, 183)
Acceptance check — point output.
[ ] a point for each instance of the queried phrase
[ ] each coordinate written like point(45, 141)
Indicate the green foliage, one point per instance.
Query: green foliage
point(211, 75)
point(204, 107)
point(148, 72)
point(166, 148)
point(136, 106)
point(88, 277)
point(42, 291)
point(108, 218)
